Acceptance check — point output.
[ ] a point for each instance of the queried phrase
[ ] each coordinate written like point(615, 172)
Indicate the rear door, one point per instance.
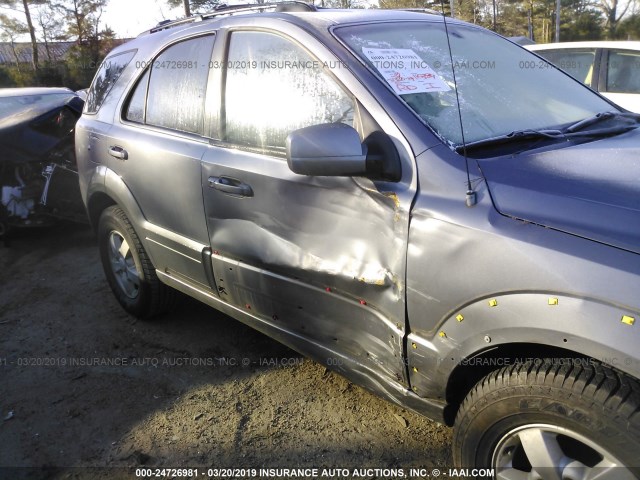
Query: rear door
point(322, 258)
point(156, 147)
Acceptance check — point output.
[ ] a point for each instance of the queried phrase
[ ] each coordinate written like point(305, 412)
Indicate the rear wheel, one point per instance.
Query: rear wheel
point(540, 420)
point(129, 271)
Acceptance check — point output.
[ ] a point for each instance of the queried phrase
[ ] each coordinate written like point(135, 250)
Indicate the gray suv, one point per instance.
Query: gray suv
point(418, 203)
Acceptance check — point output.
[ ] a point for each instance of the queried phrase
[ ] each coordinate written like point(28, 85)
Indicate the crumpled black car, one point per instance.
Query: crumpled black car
point(38, 173)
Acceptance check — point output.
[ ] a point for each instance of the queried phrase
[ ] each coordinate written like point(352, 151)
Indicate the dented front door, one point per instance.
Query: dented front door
point(322, 258)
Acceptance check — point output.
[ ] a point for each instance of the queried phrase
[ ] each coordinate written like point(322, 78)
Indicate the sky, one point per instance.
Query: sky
point(128, 18)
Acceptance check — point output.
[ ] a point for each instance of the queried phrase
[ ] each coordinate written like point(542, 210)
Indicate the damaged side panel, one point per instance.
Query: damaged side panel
point(478, 281)
point(323, 258)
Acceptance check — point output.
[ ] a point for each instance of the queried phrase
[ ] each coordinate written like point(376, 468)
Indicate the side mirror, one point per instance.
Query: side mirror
point(335, 150)
point(329, 149)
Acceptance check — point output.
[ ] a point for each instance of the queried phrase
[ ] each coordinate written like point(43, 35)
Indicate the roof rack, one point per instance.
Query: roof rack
point(224, 9)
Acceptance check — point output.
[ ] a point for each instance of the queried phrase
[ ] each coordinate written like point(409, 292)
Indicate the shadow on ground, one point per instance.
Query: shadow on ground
point(85, 385)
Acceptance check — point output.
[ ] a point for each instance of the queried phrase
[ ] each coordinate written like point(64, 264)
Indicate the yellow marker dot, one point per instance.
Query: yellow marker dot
point(442, 335)
point(628, 320)
point(460, 317)
point(553, 301)
point(415, 369)
point(493, 302)
point(414, 345)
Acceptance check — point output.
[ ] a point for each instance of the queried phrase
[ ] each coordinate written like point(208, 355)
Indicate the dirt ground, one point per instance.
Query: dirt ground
point(84, 385)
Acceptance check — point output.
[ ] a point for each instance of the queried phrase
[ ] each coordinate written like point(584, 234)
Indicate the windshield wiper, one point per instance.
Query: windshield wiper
point(517, 136)
point(521, 136)
point(599, 117)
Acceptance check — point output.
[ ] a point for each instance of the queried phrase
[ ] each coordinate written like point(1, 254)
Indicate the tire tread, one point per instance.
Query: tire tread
point(598, 387)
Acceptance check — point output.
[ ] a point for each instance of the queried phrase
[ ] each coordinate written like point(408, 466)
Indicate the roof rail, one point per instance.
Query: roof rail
point(163, 25)
point(430, 11)
point(224, 9)
point(284, 6)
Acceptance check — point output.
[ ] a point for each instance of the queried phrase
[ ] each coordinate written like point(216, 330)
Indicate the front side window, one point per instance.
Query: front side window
point(501, 87)
point(273, 87)
point(623, 72)
point(106, 77)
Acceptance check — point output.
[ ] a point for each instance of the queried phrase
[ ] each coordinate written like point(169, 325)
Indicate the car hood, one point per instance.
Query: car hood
point(24, 133)
point(591, 190)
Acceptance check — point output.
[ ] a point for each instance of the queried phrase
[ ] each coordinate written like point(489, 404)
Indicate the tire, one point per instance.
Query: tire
point(130, 273)
point(541, 420)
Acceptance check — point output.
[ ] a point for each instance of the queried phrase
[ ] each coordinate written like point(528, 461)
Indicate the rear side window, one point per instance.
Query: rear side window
point(171, 92)
point(135, 109)
point(577, 63)
point(623, 72)
point(108, 74)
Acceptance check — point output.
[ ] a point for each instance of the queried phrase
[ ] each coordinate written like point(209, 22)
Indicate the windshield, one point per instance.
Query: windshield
point(502, 88)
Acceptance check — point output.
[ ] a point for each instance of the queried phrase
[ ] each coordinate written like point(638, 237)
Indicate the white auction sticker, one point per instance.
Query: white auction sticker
point(405, 71)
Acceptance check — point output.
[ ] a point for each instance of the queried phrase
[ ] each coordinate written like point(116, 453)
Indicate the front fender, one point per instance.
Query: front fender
point(604, 332)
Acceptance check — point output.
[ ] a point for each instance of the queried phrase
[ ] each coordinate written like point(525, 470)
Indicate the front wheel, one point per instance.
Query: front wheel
point(540, 420)
point(129, 271)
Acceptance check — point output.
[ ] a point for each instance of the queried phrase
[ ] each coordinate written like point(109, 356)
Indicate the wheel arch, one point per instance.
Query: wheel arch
point(112, 191)
point(97, 203)
point(497, 330)
point(474, 368)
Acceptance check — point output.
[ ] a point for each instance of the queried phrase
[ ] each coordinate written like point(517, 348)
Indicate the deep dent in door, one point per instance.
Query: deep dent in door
point(307, 267)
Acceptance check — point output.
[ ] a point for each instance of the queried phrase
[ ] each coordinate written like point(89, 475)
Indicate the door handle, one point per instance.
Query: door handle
point(118, 152)
point(231, 186)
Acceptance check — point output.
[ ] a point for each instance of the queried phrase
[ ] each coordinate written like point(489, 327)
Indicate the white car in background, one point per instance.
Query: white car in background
point(609, 67)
